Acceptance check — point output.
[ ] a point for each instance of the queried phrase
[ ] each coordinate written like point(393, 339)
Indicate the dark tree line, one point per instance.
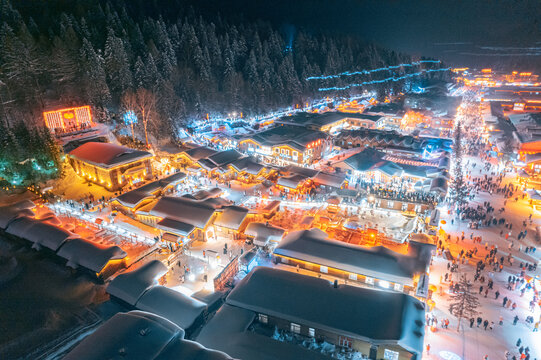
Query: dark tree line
point(58, 52)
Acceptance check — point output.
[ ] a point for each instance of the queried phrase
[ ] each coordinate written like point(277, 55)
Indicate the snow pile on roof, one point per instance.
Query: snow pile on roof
point(264, 233)
point(40, 233)
point(11, 212)
point(140, 335)
point(94, 257)
point(366, 314)
point(107, 154)
point(129, 286)
point(183, 209)
point(378, 262)
point(231, 217)
point(173, 305)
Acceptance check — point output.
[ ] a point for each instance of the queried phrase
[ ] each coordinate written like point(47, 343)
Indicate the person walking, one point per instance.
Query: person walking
point(485, 324)
point(428, 349)
point(472, 320)
point(505, 299)
point(479, 321)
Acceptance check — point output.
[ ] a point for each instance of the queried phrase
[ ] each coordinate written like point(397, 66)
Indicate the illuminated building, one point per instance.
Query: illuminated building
point(392, 142)
point(111, 166)
point(68, 119)
point(372, 266)
point(287, 145)
point(377, 324)
point(331, 121)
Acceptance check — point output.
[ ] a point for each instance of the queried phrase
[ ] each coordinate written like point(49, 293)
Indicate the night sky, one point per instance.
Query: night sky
point(470, 32)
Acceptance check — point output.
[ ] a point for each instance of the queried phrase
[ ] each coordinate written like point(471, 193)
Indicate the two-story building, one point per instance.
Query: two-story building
point(111, 166)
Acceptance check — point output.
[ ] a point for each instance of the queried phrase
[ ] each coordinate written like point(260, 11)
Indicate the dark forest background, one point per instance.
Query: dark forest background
point(60, 53)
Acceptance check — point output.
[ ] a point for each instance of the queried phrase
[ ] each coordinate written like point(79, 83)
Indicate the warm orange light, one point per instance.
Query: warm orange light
point(67, 118)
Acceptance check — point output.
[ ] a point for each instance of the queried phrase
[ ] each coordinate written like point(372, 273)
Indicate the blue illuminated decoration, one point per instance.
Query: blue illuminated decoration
point(367, 72)
point(129, 118)
point(397, 78)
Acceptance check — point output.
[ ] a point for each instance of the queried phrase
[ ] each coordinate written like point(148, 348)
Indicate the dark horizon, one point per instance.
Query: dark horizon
point(479, 33)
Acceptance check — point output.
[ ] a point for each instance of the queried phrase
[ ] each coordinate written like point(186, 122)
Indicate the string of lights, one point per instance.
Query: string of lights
point(398, 78)
point(367, 72)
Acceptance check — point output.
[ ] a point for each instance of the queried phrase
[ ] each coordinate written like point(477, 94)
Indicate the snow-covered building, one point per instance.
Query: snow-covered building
point(143, 336)
point(375, 323)
point(96, 258)
point(109, 165)
point(373, 266)
point(130, 286)
point(11, 212)
point(39, 233)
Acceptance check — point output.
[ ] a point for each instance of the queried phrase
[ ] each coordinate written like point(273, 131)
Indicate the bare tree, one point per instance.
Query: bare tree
point(464, 303)
point(142, 102)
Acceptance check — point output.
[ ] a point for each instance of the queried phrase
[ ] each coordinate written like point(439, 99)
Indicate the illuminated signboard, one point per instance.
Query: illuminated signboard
point(68, 119)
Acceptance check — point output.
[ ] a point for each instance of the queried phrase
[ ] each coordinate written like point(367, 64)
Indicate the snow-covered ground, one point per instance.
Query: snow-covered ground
point(474, 343)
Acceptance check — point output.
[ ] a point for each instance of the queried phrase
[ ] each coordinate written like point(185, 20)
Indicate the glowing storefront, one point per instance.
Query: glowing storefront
point(111, 166)
point(68, 119)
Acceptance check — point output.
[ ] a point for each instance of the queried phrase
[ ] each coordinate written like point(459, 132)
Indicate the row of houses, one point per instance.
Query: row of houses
point(381, 168)
point(374, 323)
point(18, 221)
point(393, 142)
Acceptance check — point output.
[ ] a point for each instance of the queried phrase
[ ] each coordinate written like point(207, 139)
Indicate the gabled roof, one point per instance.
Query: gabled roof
point(377, 262)
point(225, 157)
point(332, 180)
point(375, 316)
point(143, 336)
point(263, 233)
point(173, 305)
point(11, 212)
point(320, 120)
point(175, 227)
point(295, 137)
point(107, 155)
point(291, 182)
point(227, 331)
point(182, 209)
point(231, 217)
point(365, 159)
point(92, 256)
point(40, 233)
point(200, 152)
point(129, 286)
point(247, 165)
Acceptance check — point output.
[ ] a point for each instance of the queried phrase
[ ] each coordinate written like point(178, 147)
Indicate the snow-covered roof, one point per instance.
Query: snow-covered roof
point(143, 336)
point(247, 165)
point(92, 256)
point(292, 181)
point(129, 286)
point(172, 305)
point(107, 155)
point(183, 209)
point(176, 227)
point(378, 317)
point(11, 212)
point(225, 157)
point(333, 180)
point(263, 233)
point(226, 332)
point(48, 235)
point(200, 152)
point(231, 217)
point(377, 262)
